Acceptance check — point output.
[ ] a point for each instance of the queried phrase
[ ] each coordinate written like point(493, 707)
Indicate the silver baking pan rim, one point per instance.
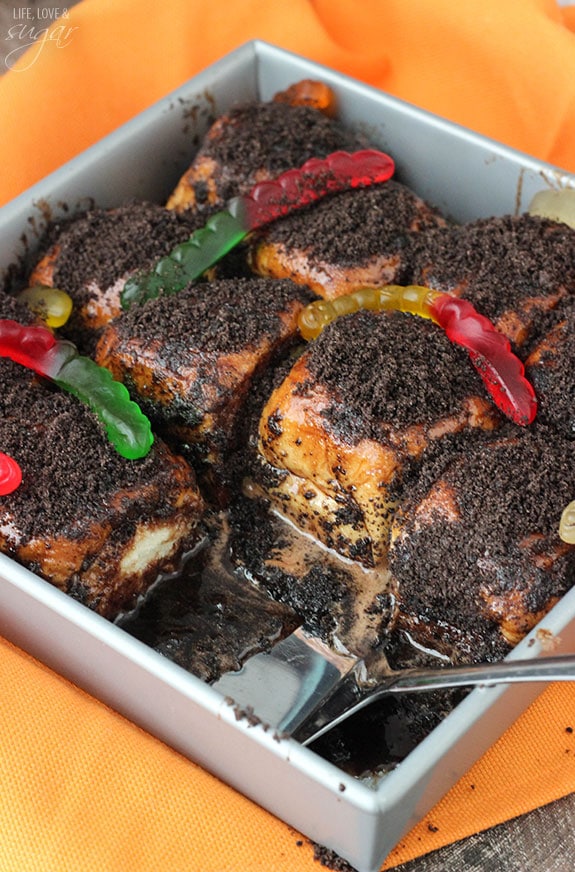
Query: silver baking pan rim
point(466, 175)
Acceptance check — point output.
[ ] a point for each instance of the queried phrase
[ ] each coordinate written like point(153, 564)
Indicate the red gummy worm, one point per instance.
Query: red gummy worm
point(317, 177)
point(490, 351)
point(10, 474)
point(28, 345)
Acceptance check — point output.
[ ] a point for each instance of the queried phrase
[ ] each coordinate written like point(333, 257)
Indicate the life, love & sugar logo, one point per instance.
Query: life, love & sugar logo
point(33, 28)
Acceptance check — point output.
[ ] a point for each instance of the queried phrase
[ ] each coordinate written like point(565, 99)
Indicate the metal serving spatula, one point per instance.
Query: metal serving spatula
point(285, 687)
point(303, 688)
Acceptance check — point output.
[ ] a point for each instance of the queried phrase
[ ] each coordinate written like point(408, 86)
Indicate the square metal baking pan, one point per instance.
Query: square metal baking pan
point(467, 176)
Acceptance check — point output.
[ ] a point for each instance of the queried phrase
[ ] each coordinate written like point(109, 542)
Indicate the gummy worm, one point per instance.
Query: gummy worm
point(267, 201)
point(36, 347)
point(567, 524)
point(52, 305)
point(10, 474)
point(490, 351)
point(308, 92)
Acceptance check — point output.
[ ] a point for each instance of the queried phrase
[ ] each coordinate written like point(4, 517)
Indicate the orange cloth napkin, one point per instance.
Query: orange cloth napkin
point(503, 67)
point(81, 788)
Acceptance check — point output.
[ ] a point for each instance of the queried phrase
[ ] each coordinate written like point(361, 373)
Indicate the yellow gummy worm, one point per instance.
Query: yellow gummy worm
point(410, 298)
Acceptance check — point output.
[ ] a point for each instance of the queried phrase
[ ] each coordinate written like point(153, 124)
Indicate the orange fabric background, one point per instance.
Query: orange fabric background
point(503, 67)
point(81, 788)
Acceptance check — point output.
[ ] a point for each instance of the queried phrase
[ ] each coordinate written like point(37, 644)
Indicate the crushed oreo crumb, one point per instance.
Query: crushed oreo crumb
point(499, 263)
point(265, 139)
point(352, 227)
point(388, 369)
point(508, 496)
point(106, 244)
point(224, 316)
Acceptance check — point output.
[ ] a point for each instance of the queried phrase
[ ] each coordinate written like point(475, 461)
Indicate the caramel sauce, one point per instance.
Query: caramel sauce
point(364, 618)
